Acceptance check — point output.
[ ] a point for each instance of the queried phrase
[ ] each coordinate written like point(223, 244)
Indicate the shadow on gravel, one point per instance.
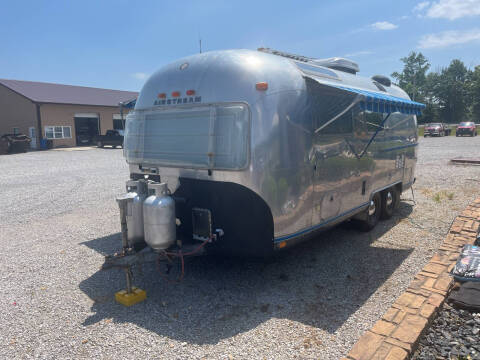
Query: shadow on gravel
point(319, 283)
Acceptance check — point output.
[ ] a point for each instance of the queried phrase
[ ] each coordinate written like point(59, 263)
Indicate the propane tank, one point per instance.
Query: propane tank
point(137, 191)
point(159, 218)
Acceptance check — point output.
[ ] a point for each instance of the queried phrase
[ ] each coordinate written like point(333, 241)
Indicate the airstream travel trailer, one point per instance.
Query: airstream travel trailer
point(248, 151)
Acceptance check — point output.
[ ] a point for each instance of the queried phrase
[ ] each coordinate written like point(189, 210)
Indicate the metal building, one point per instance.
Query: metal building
point(68, 115)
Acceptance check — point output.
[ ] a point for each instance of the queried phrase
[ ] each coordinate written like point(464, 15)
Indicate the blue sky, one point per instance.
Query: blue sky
point(117, 44)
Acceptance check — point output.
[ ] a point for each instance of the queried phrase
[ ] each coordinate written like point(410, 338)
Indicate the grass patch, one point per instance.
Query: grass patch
point(437, 196)
point(443, 195)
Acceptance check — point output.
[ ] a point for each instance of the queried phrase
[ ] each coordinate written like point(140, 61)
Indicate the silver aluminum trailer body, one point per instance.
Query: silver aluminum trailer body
point(272, 162)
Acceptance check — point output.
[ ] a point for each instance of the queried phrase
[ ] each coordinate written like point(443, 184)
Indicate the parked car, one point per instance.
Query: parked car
point(466, 128)
point(112, 138)
point(14, 143)
point(436, 129)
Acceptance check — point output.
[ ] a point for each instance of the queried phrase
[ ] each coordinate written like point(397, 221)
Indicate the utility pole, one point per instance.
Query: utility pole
point(200, 42)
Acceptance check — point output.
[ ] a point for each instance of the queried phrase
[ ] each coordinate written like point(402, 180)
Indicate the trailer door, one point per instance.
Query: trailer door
point(340, 173)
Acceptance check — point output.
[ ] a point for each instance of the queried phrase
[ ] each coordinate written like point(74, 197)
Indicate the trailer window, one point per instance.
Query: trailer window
point(374, 121)
point(209, 137)
point(325, 103)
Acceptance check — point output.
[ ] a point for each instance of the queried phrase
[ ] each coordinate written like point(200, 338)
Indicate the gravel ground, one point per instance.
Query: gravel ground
point(59, 218)
point(454, 334)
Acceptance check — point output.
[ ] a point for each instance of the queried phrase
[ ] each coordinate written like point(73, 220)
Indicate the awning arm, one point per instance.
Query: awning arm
point(380, 127)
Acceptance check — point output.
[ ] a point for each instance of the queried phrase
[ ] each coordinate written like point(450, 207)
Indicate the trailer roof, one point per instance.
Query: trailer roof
point(42, 92)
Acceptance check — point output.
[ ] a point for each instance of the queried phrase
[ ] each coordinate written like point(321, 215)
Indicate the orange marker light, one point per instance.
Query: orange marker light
point(162, 96)
point(190, 92)
point(262, 86)
point(282, 244)
point(176, 94)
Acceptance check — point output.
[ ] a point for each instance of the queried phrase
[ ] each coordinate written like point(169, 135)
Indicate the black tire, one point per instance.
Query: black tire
point(99, 144)
point(372, 217)
point(457, 135)
point(424, 136)
point(390, 201)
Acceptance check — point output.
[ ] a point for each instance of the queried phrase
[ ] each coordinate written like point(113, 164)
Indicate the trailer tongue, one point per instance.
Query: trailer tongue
point(148, 234)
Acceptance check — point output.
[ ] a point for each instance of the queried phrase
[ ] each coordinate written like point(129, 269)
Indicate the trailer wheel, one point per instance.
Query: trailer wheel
point(99, 144)
point(373, 213)
point(390, 201)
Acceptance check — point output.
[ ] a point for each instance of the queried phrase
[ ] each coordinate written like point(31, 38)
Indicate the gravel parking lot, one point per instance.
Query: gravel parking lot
point(59, 218)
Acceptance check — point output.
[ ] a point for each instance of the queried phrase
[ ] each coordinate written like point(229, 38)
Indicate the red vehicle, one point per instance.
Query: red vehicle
point(466, 128)
point(436, 129)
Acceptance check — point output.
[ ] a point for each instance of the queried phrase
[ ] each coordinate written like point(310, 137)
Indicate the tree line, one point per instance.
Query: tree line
point(451, 94)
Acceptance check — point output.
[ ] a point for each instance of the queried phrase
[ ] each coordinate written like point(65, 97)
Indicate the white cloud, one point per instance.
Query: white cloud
point(420, 6)
point(140, 75)
point(448, 38)
point(359, 53)
point(383, 25)
point(448, 9)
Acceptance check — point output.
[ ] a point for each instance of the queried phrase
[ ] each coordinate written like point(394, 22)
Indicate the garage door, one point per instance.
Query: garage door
point(87, 126)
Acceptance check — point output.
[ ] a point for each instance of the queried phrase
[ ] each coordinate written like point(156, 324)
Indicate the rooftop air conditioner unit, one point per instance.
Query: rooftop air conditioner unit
point(337, 63)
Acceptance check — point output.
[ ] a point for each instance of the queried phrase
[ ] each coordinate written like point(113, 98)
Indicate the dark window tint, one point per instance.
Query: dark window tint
point(118, 124)
point(329, 108)
point(373, 121)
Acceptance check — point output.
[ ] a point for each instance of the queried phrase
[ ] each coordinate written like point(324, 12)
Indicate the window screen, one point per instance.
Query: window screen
point(325, 103)
point(213, 136)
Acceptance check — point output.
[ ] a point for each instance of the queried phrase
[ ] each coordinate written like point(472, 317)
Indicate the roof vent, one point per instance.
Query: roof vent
point(337, 63)
point(382, 80)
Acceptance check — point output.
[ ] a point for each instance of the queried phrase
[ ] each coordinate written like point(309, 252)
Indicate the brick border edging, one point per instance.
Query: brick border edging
point(395, 336)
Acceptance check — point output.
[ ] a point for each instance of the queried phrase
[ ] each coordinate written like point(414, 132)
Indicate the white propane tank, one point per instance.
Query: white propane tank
point(159, 218)
point(137, 191)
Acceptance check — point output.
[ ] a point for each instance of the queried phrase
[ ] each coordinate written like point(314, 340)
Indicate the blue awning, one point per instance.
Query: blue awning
point(384, 103)
point(381, 103)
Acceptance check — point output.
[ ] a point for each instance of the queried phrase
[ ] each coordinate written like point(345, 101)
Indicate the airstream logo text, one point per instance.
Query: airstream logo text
point(185, 100)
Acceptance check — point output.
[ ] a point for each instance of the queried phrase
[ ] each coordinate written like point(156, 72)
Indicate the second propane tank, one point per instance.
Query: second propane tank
point(137, 191)
point(159, 218)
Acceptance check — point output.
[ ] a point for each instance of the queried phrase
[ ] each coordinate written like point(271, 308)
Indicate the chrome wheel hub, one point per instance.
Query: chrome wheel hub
point(389, 199)
point(371, 208)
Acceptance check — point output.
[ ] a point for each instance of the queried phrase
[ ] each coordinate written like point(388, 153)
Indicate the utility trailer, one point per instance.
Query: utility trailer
point(248, 152)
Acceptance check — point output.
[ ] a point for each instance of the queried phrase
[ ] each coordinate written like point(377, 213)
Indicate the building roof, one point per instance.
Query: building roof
point(68, 94)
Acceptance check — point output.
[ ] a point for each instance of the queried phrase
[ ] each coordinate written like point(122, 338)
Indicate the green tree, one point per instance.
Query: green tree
point(413, 77)
point(474, 94)
point(432, 111)
point(451, 91)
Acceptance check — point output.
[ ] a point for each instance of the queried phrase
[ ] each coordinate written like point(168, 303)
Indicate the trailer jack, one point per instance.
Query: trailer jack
point(131, 295)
